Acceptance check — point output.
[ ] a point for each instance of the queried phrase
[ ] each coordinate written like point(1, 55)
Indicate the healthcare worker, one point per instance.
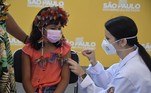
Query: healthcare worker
point(133, 72)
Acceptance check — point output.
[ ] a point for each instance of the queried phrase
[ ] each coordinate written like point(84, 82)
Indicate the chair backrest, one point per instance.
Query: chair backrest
point(73, 77)
point(18, 70)
point(17, 65)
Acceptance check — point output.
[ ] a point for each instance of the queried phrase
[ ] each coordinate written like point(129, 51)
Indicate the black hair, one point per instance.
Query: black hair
point(122, 27)
point(47, 16)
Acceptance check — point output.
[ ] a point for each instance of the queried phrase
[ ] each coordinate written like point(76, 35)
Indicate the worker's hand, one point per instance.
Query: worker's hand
point(90, 54)
point(75, 67)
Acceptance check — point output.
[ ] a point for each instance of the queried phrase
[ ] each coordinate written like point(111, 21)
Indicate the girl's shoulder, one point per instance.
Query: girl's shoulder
point(27, 49)
point(66, 44)
point(64, 49)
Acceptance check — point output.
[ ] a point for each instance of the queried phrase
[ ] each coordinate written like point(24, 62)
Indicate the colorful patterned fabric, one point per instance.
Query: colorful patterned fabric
point(6, 62)
point(7, 80)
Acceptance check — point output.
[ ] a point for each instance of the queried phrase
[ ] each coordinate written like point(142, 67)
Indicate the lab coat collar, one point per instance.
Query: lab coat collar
point(126, 59)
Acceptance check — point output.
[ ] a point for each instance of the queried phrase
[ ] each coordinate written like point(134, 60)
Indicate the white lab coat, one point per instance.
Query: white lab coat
point(130, 75)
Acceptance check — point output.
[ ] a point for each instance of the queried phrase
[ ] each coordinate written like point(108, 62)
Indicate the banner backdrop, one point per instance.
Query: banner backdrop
point(85, 28)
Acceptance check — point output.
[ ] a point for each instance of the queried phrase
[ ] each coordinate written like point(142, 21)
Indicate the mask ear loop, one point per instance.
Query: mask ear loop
point(130, 47)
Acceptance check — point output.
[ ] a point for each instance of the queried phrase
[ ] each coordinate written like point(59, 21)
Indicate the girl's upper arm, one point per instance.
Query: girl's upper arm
point(25, 67)
point(65, 69)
